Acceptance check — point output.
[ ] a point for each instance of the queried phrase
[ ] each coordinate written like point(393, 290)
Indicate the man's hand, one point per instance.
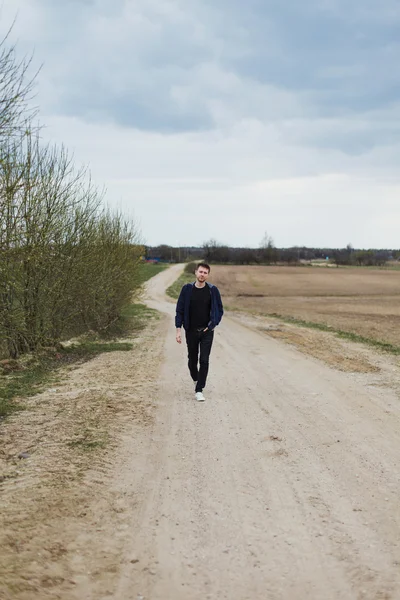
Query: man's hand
point(178, 336)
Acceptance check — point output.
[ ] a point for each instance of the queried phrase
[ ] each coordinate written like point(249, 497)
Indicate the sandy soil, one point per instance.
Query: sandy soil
point(283, 485)
point(361, 301)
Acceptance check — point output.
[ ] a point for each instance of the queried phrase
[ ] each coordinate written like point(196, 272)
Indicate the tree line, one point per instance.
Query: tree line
point(267, 254)
point(67, 263)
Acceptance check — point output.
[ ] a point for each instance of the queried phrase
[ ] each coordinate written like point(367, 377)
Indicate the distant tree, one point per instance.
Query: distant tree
point(288, 255)
point(396, 254)
point(371, 258)
point(335, 257)
point(344, 256)
point(267, 252)
point(381, 257)
point(163, 252)
point(214, 252)
point(246, 256)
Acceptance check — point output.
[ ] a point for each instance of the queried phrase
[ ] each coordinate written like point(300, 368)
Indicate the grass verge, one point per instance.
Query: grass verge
point(174, 290)
point(35, 373)
point(31, 374)
point(149, 270)
point(348, 335)
point(133, 319)
point(91, 432)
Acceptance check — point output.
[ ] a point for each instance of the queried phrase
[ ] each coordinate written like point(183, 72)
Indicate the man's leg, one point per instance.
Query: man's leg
point(206, 341)
point(192, 341)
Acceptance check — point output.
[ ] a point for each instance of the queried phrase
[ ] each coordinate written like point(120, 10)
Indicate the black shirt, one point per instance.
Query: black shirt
point(200, 307)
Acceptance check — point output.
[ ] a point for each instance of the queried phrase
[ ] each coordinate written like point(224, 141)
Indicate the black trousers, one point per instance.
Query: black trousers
point(199, 341)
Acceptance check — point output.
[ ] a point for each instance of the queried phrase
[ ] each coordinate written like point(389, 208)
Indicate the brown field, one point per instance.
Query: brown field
point(356, 300)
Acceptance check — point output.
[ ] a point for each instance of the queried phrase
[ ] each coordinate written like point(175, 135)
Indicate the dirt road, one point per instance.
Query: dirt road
point(284, 484)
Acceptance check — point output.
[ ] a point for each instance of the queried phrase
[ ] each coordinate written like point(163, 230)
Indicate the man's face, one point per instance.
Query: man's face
point(202, 274)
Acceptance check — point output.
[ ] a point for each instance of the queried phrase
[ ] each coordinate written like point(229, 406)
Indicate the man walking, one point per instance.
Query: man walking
point(199, 309)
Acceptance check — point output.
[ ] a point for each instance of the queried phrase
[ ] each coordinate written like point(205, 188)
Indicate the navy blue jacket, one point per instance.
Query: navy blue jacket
point(183, 306)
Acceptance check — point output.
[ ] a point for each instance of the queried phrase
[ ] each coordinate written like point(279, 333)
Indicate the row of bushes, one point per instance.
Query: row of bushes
point(67, 264)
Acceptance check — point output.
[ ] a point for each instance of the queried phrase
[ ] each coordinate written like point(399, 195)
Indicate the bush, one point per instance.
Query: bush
point(67, 264)
point(190, 267)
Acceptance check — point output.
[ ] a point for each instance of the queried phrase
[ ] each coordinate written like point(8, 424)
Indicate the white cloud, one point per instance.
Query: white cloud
point(186, 188)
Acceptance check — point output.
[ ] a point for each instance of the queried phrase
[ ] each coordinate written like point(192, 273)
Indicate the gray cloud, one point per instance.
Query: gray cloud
point(346, 53)
point(134, 62)
point(287, 110)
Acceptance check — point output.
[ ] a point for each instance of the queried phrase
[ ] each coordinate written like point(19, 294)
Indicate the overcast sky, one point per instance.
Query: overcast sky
point(225, 119)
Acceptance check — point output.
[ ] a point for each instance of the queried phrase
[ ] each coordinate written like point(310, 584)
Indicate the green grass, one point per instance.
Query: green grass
point(34, 375)
point(134, 318)
point(149, 270)
point(138, 312)
point(348, 335)
point(93, 348)
point(174, 290)
point(88, 441)
point(20, 384)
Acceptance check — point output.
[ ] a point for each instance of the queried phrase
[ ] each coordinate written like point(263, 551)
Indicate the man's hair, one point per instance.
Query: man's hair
point(204, 265)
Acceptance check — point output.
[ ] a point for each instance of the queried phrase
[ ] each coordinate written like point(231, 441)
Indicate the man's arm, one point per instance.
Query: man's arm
point(219, 304)
point(220, 310)
point(180, 310)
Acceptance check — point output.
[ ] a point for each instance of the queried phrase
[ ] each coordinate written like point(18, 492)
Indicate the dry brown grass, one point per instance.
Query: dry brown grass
point(72, 435)
point(365, 302)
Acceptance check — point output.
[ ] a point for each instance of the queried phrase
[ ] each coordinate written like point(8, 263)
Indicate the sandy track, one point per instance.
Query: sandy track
point(284, 484)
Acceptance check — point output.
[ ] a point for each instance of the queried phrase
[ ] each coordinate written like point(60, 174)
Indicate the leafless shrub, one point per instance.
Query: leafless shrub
point(66, 263)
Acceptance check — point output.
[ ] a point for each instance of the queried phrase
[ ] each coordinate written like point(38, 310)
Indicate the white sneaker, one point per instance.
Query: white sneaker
point(200, 397)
